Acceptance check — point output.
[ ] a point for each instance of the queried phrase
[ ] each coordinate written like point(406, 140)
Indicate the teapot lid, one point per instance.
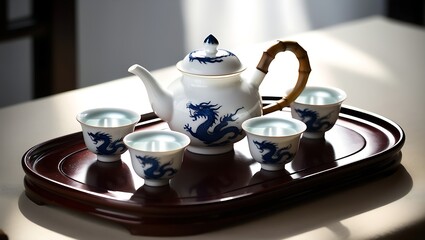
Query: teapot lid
point(210, 61)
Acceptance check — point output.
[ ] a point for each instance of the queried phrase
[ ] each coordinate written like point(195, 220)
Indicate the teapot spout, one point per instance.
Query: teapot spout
point(160, 99)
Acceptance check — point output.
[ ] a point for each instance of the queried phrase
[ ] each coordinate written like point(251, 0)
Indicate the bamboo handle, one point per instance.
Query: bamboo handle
point(303, 71)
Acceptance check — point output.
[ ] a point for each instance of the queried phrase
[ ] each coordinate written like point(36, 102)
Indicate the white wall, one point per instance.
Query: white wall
point(112, 35)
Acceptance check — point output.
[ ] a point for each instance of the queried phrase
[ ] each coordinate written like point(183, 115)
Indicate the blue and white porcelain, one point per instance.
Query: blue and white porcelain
point(156, 155)
point(104, 129)
point(318, 108)
point(211, 60)
point(273, 141)
point(212, 98)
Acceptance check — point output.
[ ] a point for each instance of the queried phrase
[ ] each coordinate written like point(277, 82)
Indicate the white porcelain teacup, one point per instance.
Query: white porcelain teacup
point(104, 130)
point(156, 155)
point(273, 141)
point(318, 108)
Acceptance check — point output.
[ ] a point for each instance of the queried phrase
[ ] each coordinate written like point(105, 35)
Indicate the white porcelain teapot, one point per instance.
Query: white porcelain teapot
point(211, 99)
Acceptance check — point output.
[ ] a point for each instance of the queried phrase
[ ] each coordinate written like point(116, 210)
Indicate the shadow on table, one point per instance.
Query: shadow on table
point(329, 210)
point(317, 212)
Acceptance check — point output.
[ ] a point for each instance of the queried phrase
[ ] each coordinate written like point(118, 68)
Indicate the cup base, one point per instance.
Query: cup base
point(157, 182)
point(272, 167)
point(210, 150)
point(109, 158)
point(314, 135)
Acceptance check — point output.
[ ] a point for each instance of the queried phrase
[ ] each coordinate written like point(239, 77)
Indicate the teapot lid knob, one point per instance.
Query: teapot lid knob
point(210, 61)
point(211, 44)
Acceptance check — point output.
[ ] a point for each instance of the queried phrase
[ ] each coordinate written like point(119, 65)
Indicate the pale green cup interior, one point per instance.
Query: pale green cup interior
point(108, 117)
point(273, 126)
point(156, 141)
point(321, 96)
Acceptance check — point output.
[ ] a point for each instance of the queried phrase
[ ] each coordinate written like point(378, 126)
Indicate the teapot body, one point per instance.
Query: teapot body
point(212, 98)
point(211, 110)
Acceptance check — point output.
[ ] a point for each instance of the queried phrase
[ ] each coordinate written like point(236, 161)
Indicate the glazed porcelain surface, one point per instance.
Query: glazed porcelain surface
point(210, 60)
point(104, 129)
point(211, 99)
point(315, 95)
point(273, 141)
point(318, 108)
point(156, 155)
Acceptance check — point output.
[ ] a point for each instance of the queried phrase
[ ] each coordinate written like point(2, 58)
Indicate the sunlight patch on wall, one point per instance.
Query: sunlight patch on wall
point(339, 54)
point(236, 26)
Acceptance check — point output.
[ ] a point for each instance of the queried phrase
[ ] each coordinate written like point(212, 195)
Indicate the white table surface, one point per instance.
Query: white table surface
point(378, 62)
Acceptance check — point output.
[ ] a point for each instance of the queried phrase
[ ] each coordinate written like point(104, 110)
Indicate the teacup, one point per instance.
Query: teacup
point(318, 108)
point(104, 130)
point(273, 141)
point(156, 155)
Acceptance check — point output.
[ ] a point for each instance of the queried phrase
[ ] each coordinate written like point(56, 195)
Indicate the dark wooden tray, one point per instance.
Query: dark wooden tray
point(209, 192)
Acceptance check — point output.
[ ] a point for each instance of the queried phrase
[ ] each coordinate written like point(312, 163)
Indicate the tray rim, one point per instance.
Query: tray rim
point(33, 181)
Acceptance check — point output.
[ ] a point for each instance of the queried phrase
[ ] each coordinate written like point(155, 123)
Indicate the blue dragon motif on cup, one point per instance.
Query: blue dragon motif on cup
point(213, 130)
point(313, 121)
point(153, 169)
point(107, 146)
point(272, 153)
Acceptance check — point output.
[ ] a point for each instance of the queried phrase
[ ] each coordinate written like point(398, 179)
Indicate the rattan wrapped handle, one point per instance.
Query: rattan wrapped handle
point(303, 71)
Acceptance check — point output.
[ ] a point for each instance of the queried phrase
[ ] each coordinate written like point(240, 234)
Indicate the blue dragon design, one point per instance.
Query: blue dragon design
point(205, 59)
point(313, 122)
point(152, 168)
point(273, 154)
point(108, 146)
point(209, 132)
